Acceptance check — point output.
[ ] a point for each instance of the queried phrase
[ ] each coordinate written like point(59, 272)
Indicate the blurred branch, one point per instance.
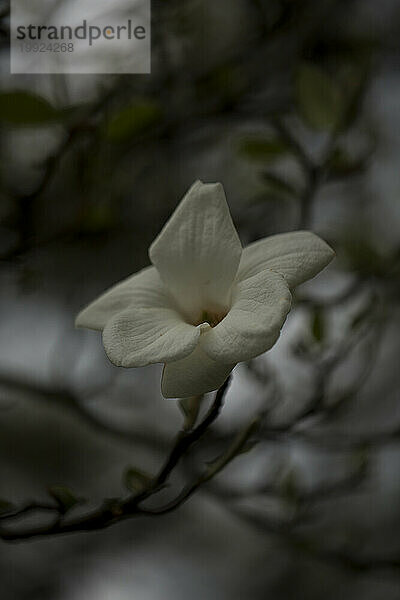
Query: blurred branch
point(313, 173)
point(352, 290)
point(31, 507)
point(304, 546)
point(324, 368)
point(298, 150)
point(116, 510)
point(300, 498)
point(26, 202)
point(72, 403)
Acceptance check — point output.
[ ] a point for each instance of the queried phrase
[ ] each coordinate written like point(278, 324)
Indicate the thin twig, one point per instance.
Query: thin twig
point(116, 510)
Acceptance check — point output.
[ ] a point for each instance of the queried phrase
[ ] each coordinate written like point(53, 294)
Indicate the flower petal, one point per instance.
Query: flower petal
point(198, 251)
point(194, 375)
point(144, 289)
point(142, 336)
point(259, 308)
point(297, 256)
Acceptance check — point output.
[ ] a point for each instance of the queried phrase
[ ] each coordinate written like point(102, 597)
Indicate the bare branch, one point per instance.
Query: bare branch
point(116, 510)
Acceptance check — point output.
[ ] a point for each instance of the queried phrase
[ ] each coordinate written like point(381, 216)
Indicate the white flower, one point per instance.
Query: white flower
point(206, 304)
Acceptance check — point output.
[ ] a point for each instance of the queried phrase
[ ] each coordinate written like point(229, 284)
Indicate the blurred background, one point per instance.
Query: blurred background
point(294, 106)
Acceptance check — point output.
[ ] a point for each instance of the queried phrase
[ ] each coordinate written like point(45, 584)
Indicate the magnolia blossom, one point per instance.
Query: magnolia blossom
point(206, 304)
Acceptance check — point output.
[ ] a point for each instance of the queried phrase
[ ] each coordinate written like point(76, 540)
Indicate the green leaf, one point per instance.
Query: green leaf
point(26, 109)
point(64, 497)
point(277, 186)
point(97, 218)
point(318, 325)
point(341, 164)
point(361, 459)
point(319, 98)
point(132, 120)
point(222, 85)
point(5, 506)
point(362, 255)
point(290, 486)
point(263, 149)
point(136, 480)
point(247, 447)
point(355, 82)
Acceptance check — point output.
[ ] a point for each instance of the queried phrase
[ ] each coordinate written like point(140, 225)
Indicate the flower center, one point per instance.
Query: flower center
point(211, 317)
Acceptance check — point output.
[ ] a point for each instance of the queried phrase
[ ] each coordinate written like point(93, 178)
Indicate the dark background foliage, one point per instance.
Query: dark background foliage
point(294, 106)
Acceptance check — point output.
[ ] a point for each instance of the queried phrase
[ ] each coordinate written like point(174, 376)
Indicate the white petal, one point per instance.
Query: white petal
point(259, 308)
point(198, 251)
point(142, 336)
point(144, 289)
point(297, 256)
point(194, 375)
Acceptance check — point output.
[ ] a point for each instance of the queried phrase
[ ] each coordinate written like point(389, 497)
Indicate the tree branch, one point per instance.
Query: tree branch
point(116, 510)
